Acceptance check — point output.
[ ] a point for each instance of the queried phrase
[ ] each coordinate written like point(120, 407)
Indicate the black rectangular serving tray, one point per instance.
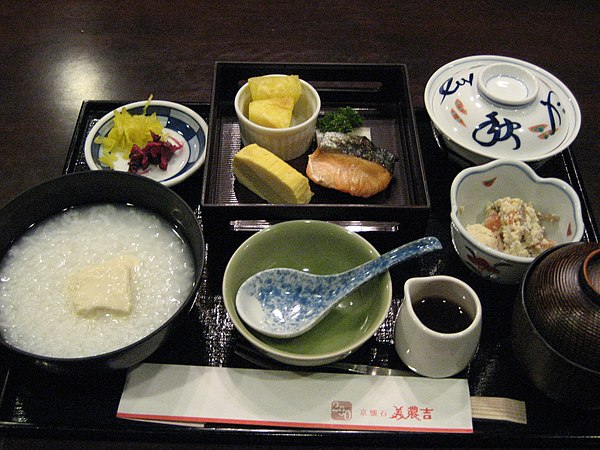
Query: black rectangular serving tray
point(380, 92)
point(36, 404)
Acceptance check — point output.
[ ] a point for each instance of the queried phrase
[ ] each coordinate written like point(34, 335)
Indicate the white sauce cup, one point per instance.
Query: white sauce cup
point(431, 353)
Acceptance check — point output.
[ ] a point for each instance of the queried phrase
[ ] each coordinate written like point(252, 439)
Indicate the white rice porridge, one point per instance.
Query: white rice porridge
point(36, 314)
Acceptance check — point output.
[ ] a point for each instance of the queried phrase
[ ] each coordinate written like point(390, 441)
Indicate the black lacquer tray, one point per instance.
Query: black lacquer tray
point(381, 94)
point(34, 404)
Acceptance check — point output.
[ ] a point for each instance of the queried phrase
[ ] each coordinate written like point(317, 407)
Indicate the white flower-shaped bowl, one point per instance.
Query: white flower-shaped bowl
point(473, 188)
point(495, 107)
point(179, 121)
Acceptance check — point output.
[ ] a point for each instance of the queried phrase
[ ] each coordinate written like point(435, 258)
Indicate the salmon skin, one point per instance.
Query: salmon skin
point(350, 164)
point(355, 145)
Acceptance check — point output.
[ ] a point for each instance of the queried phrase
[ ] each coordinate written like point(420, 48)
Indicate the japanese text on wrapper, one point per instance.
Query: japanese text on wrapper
point(342, 410)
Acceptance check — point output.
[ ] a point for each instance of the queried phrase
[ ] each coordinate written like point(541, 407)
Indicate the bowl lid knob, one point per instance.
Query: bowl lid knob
point(507, 84)
point(590, 275)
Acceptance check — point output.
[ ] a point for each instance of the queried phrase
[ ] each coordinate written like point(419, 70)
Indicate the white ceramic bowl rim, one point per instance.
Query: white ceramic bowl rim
point(530, 173)
point(108, 116)
point(458, 66)
point(340, 353)
point(275, 131)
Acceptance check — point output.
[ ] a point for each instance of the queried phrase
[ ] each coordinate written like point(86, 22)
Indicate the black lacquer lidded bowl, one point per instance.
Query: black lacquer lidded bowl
point(556, 324)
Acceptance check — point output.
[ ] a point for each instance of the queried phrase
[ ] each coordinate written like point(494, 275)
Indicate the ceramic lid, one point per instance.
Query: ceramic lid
point(501, 107)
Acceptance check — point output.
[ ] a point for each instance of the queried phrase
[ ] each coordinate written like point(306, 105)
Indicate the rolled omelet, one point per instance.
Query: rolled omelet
point(270, 177)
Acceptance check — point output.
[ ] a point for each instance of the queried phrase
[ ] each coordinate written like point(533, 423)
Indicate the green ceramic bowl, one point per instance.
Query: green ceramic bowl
point(320, 248)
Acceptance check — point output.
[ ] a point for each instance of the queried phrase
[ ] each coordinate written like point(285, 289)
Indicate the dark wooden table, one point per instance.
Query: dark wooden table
point(55, 55)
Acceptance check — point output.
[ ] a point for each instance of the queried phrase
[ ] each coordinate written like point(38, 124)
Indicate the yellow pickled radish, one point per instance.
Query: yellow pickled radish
point(128, 130)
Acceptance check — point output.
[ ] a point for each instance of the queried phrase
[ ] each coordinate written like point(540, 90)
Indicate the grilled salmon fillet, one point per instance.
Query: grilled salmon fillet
point(350, 164)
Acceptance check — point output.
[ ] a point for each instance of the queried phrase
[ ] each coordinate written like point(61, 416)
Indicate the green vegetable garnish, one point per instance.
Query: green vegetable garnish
point(342, 120)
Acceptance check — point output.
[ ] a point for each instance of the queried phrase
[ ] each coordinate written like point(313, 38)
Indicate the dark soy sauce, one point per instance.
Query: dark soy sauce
point(442, 315)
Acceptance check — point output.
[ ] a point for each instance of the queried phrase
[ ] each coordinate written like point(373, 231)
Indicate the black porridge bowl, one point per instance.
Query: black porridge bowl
point(87, 188)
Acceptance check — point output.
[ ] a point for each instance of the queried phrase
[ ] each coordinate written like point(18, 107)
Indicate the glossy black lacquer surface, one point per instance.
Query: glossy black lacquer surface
point(35, 404)
point(554, 328)
point(379, 92)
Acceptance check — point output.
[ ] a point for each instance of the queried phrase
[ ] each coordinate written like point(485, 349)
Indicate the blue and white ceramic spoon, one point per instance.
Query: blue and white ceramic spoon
point(284, 303)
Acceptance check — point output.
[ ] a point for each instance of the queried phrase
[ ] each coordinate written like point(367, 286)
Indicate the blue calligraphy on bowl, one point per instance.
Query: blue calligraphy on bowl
point(553, 112)
point(450, 86)
point(493, 131)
